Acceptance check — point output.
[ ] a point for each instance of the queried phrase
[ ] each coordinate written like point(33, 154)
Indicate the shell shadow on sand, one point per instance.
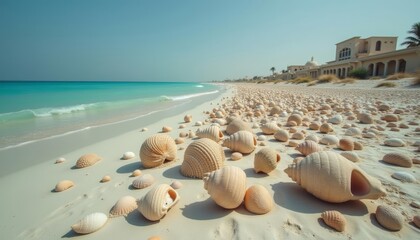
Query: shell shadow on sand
point(135, 218)
point(204, 210)
point(70, 234)
point(174, 173)
point(129, 168)
point(291, 196)
point(250, 173)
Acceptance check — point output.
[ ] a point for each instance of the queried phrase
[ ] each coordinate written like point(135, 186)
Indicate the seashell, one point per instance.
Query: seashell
point(293, 143)
point(416, 220)
point(181, 126)
point(221, 121)
point(187, 118)
point(415, 204)
point(157, 202)
point(176, 184)
point(326, 128)
point(365, 118)
point(298, 135)
point(295, 118)
point(166, 129)
point(291, 124)
point(399, 159)
point(335, 220)
point(391, 125)
point(281, 135)
point(211, 132)
point(106, 178)
point(369, 135)
point(183, 134)
point(358, 146)
point(261, 138)
point(350, 155)
point(87, 160)
point(346, 144)
point(156, 149)
point(390, 118)
point(353, 131)
point(241, 141)
point(337, 119)
point(63, 185)
point(91, 223)
point(237, 125)
point(136, 173)
point(404, 177)
point(329, 140)
point(236, 156)
point(345, 180)
point(269, 128)
point(198, 123)
point(266, 160)
point(143, 181)
point(255, 125)
point(389, 217)
point(394, 142)
point(60, 160)
point(179, 140)
point(308, 147)
point(312, 137)
point(403, 125)
point(263, 144)
point(128, 155)
point(384, 107)
point(201, 156)
point(226, 186)
point(258, 200)
point(123, 206)
point(144, 129)
point(275, 110)
point(191, 134)
point(314, 125)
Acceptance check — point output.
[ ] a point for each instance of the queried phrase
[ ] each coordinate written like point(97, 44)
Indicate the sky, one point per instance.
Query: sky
point(183, 40)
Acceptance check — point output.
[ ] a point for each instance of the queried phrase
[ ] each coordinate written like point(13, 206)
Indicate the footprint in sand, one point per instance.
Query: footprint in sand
point(228, 229)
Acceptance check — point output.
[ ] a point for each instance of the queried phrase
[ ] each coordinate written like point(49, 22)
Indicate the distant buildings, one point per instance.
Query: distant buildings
point(376, 54)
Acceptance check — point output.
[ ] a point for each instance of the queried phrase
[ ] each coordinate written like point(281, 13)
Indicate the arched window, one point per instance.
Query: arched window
point(378, 46)
point(344, 54)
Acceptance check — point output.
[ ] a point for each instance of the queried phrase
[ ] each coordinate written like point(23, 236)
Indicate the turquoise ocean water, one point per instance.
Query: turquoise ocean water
point(30, 111)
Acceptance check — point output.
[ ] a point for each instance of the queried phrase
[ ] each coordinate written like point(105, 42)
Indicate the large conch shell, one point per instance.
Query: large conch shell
point(87, 160)
point(266, 160)
point(202, 156)
point(156, 149)
point(226, 186)
point(242, 141)
point(90, 223)
point(212, 132)
point(344, 180)
point(237, 125)
point(157, 202)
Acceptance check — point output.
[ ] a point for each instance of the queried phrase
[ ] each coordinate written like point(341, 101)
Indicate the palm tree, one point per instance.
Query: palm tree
point(273, 69)
point(413, 41)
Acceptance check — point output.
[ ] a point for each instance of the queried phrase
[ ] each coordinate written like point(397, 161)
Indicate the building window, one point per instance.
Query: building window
point(344, 54)
point(378, 46)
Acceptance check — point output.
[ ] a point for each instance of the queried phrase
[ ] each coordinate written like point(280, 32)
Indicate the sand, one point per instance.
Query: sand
point(30, 208)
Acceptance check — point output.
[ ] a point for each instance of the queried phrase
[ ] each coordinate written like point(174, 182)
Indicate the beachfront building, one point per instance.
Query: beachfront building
point(376, 54)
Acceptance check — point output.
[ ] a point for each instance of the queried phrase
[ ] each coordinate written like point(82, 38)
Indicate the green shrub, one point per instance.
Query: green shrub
point(358, 73)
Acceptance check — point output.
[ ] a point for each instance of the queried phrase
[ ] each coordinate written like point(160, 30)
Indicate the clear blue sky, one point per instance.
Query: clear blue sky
point(183, 40)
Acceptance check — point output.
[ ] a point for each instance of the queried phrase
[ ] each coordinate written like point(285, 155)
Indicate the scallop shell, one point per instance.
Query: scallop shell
point(123, 206)
point(345, 180)
point(329, 140)
point(136, 173)
point(143, 181)
point(295, 118)
point(166, 129)
point(308, 147)
point(212, 132)
point(91, 223)
point(298, 135)
point(258, 200)
point(266, 160)
point(389, 217)
point(236, 156)
point(201, 156)
point(60, 160)
point(335, 220)
point(269, 128)
point(106, 178)
point(128, 155)
point(394, 142)
point(404, 177)
point(350, 155)
point(365, 118)
point(187, 118)
point(156, 149)
point(325, 128)
point(312, 137)
point(281, 135)
point(179, 140)
point(399, 159)
point(346, 144)
point(237, 125)
point(87, 160)
point(157, 202)
point(241, 141)
point(63, 185)
point(226, 186)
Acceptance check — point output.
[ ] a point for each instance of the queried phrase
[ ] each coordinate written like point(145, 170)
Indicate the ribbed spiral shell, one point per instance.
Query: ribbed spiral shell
point(123, 206)
point(308, 147)
point(335, 220)
point(87, 160)
point(90, 223)
point(399, 159)
point(202, 156)
point(212, 132)
point(156, 149)
point(281, 135)
point(237, 125)
point(226, 186)
point(266, 160)
point(269, 128)
point(157, 202)
point(242, 141)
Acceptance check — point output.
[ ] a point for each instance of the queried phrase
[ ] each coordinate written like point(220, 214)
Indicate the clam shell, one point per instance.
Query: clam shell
point(394, 142)
point(226, 186)
point(312, 137)
point(353, 131)
point(399, 159)
point(236, 156)
point(179, 140)
point(212, 132)
point(87, 160)
point(157, 202)
point(181, 126)
point(60, 160)
point(358, 146)
point(325, 128)
point(365, 118)
point(308, 147)
point(128, 155)
point(166, 129)
point(281, 135)
point(275, 110)
point(345, 180)
point(404, 177)
point(314, 125)
point(237, 125)
point(295, 118)
point(346, 144)
point(335, 220)
point(123, 206)
point(201, 156)
point(337, 119)
point(198, 123)
point(143, 181)
point(63, 185)
point(156, 149)
point(91, 223)
point(187, 118)
point(176, 184)
point(258, 200)
point(390, 118)
point(329, 140)
point(298, 135)
point(106, 178)
point(389, 217)
point(241, 141)
point(266, 160)
point(269, 128)
point(350, 155)
point(136, 173)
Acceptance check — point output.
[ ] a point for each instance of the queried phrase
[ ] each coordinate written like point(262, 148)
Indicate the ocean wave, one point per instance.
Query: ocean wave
point(199, 85)
point(184, 97)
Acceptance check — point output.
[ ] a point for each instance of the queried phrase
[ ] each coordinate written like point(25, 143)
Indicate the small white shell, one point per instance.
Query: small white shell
point(329, 140)
point(353, 131)
point(176, 184)
point(123, 207)
point(404, 177)
point(143, 181)
point(90, 223)
point(60, 160)
point(128, 155)
point(166, 129)
point(350, 155)
point(312, 137)
point(394, 142)
point(106, 178)
point(136, 173)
